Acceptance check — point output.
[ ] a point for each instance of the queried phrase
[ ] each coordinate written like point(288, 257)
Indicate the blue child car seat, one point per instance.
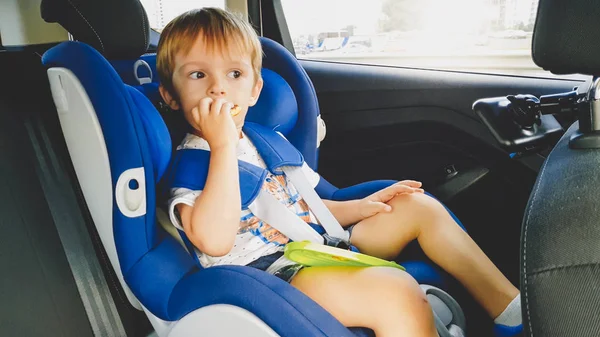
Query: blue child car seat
point(120, 148)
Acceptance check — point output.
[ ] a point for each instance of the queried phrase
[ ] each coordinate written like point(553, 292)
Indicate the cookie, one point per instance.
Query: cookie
point(235, 110)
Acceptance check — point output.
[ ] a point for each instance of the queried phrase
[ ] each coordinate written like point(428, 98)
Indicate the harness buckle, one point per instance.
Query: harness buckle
point(336, 242)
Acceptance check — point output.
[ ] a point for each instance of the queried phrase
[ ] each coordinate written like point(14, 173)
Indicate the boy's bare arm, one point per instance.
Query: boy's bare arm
point(352, 211)
point(346, 212)
point(212, 224)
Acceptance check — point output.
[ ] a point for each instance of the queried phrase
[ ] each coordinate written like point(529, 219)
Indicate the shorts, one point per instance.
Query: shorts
point(286, 273)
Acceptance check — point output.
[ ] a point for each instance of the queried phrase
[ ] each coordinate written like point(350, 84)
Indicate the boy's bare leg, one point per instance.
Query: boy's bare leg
point(386, 300)
point(418, 216)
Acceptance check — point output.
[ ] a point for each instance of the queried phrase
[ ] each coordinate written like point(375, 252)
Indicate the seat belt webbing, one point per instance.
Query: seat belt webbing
point(270, 210)
point(99, 305)
point(315, 203)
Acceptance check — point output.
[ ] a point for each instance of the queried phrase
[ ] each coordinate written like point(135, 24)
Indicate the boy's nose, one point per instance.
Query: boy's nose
point(217, 92)
point(216, 89)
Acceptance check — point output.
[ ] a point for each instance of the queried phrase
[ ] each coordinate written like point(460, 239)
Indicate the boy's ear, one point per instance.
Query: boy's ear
point(256, 92)
point(166, 96)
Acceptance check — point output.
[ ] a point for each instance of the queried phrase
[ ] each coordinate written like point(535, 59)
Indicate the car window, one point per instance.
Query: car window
point(488, 36)
point(160, 12)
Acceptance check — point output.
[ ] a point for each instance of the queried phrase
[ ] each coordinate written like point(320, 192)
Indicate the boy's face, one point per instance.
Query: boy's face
point(214, 73)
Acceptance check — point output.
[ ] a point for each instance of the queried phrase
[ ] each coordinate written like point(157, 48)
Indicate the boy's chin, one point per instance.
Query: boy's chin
point(239, 128)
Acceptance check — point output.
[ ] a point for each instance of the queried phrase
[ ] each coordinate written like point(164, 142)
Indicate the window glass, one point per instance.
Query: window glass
point(489, 36)
point(160, 12)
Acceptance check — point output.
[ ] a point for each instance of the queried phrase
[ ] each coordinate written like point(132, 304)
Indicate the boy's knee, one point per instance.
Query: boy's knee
point(395, 285)
point(398, 296)
point(418, 205)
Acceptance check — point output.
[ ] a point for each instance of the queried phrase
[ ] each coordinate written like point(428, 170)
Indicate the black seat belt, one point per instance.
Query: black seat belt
point(95, 294)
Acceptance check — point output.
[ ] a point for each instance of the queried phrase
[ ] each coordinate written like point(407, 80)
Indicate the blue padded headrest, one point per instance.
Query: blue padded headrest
point(100, 81)
point(130, 73)
point(150, 90)
point(157, 134)
point(304, 133)
point(276, 108)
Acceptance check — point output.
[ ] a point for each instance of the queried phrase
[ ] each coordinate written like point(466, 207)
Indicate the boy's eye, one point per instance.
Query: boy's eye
point(196, 75)
point(235, 74)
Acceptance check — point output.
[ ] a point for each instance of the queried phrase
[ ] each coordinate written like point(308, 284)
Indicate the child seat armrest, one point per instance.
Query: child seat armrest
point(361, 190)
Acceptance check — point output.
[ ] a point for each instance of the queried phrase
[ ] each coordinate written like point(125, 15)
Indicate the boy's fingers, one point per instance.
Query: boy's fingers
point(378, 207)
point(401, 189)
point(216, 106)
point(226, 108)
point(387, 194)
point(205, 106)
point(411, 183)
point(196, 115)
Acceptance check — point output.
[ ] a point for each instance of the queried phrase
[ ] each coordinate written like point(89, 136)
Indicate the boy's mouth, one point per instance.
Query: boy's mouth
point(235, 110)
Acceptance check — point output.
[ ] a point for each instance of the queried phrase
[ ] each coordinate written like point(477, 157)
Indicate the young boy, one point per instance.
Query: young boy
point(210, 60)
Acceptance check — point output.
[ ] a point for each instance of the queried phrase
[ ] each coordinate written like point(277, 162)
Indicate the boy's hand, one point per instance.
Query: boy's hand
point(377, 202)
point(213, 119)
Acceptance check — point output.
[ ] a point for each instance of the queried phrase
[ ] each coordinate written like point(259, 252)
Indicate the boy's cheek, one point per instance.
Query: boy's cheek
point(187, 103)
point(190, 97)
point(190, 120)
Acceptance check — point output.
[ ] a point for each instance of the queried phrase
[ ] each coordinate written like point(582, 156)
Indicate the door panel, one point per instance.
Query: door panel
point(390, 122)
point(356, 98)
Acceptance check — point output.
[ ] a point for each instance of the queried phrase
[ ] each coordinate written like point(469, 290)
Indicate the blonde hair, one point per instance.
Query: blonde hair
point(218, 28)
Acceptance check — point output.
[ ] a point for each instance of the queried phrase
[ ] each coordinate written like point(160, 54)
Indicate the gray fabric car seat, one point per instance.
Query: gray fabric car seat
point(560, 255)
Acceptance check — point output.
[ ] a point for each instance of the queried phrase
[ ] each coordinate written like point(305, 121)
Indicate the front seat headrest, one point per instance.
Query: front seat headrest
point(118, 29)
point(566, 35)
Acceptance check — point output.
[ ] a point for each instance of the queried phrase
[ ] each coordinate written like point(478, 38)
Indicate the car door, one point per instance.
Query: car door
point(401, 106)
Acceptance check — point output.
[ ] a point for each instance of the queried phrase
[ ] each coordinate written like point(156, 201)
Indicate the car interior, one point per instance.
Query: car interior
point(85, 140)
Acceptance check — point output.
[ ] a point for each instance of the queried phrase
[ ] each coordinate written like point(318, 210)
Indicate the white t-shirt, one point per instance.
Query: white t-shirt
point(255, 238)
